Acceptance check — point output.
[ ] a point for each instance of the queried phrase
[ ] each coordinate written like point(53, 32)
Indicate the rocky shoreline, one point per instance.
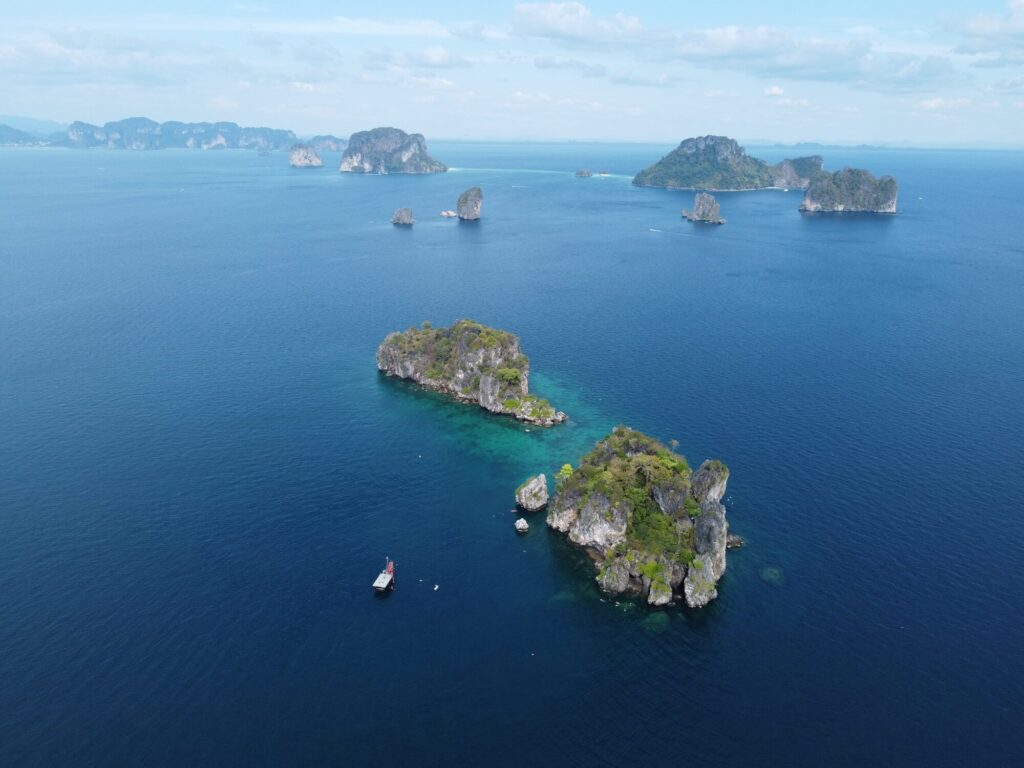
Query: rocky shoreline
point(469, 362)
point(652, 526)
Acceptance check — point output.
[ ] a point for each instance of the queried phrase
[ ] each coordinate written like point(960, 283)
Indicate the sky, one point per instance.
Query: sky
point(926, 73)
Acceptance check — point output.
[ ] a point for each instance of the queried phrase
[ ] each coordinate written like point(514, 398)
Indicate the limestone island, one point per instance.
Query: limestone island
point(706, 210)
point(388, 150)
point(403, 218)
point(652, 526)
point(720, 164)
point(304, 156)
point(851, 190)
point(583, 173)
point(471, 363)
point(468, 206)
point(327, 143)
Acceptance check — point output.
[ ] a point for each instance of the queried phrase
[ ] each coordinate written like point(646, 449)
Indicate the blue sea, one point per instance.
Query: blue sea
point(201, 470)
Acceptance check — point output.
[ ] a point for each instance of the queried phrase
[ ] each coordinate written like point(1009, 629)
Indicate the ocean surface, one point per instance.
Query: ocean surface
point(201, 470)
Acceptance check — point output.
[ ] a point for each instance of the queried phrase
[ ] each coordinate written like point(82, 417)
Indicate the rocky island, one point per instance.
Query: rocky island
point(403, 218)
point(706, 210)
point(470, 362)
point(720, 164)
point(468, 206)
point(652, 525)
point(388, 150)
point(851, 190)
point(583, 173)
point(304, 156)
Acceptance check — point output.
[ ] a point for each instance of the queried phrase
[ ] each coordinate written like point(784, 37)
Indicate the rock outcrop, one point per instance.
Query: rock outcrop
point(470, 362)
point(706, 210)
point(403, 218)
point(522, 526)
point(468, 207)
point(304, 156)
point(653, 526)
point(851, 190)
point(720, 164)
point(533, 494)
point(583, 173)
point(388, 150)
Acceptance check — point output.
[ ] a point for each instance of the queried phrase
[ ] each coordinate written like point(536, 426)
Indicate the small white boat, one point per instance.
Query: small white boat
point(386, 579)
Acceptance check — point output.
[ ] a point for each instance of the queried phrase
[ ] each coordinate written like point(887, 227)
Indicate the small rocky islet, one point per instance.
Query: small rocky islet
point(706, 210)
point(470, 362)
point(653, 527)
point(304, 156)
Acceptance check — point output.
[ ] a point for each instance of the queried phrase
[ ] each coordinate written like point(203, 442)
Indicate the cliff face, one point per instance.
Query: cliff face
point(721, 164)
point(851, 190)
point(388, 150)
point(653, 526)
point(470, 201)
point(470, 362)
point(706, 210)
point(140, 133)
point(303, 156)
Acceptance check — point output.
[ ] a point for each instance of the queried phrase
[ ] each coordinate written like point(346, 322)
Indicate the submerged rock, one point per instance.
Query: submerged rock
point(653, 526)
point(304, 156)
point(403, 217)
point(705, 210)
point(469, 204)
point(533, 494)
point(388, 150)
point(469, 362)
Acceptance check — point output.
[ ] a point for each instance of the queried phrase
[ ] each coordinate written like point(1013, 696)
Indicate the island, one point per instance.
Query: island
point(706, 210)
point(532, 495)
point(141, 133)
point(468, 206)
point(403, 218)
point(652, 526)
point(388, 150)
point(471, 363)
point(327, 143)
point(851, 190)
point(304, 156)
point(583, 173)
point(720, 164)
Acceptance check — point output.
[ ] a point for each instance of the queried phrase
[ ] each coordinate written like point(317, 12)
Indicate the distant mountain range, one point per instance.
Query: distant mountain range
point(141, 133)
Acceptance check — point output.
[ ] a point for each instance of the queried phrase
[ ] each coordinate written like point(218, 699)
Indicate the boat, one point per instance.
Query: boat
point(386, 580)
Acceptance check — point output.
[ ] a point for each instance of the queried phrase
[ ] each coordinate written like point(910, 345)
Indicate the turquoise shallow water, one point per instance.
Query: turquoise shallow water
point(201, 470)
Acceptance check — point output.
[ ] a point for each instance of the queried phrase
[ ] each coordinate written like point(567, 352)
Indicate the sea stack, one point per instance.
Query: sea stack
point(533, 494)
point(705, 210)
point(469, 204)
point(304, 156)
point(403, 218)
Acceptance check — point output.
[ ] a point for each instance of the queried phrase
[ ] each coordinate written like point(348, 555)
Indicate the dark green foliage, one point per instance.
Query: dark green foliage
point(626, 467)
point(710, 162)
point(509, 376)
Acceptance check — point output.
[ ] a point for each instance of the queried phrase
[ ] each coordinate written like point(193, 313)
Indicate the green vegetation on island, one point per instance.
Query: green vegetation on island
point(719, 163)
point(851, 190)
point(652, 524)
point(471, 362)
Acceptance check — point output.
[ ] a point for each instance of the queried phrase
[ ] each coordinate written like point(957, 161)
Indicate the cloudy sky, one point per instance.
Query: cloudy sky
point(926, 72)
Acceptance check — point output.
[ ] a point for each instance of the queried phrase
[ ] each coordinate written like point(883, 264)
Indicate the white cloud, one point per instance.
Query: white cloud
point(774, 90)
point(572, 21)
point(940, 104)
point(585, 68)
